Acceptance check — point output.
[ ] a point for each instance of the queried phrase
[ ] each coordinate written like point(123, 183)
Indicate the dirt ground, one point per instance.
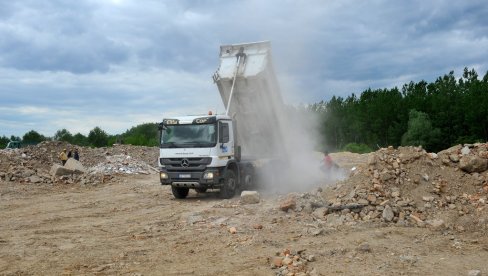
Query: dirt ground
point(134, 226)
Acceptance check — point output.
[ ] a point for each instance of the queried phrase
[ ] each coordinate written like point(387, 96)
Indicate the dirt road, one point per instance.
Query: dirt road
point(135, 227)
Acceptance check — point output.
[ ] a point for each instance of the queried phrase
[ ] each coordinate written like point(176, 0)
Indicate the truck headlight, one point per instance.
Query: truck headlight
point(208, 175)
point(163, 175)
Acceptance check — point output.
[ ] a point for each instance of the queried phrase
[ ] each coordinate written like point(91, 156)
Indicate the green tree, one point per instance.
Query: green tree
point(4, 141)
point(32, 137)
point(63, 135)
point(420, 131)
point(79, 139)
point(141, 135)
point(97, 137)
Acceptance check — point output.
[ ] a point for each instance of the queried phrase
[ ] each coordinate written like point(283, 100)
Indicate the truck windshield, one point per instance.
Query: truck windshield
point(189, 135)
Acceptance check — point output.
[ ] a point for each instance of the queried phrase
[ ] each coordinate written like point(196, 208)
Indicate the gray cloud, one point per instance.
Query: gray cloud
point(125, 61)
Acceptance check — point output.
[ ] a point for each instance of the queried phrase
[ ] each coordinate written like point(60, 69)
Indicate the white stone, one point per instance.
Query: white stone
point(388, 214)
point(35, 179)
point(474, 273)
point(58, 170)
point(250, 197)
point(75, 166)
point(465, 151)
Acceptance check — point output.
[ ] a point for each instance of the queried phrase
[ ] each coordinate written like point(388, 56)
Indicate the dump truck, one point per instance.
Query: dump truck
point(230, 151)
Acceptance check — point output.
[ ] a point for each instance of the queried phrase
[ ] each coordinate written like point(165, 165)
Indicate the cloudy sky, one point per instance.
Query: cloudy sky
point(119, 63)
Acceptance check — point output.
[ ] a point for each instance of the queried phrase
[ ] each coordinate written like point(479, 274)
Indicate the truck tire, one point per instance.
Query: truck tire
point(229, 186)
point(180, 192)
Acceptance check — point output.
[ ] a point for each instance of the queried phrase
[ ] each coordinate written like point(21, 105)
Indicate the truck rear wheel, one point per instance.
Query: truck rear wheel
point(180, 192)
point(229, 186)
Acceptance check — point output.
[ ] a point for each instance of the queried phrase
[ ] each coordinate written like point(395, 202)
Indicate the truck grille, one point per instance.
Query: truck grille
point(186, 164)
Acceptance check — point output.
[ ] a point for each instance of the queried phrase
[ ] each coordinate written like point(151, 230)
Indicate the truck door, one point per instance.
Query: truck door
point(226, 139)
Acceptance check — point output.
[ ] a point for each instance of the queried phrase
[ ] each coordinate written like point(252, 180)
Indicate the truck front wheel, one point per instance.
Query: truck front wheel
point(229, 186)
point(180, 192)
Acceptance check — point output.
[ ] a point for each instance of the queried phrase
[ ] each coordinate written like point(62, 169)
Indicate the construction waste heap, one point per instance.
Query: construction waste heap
point(408, 187)
point(39, 164)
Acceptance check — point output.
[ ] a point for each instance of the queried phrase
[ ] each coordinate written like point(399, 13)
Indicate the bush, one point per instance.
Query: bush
point(357, 148)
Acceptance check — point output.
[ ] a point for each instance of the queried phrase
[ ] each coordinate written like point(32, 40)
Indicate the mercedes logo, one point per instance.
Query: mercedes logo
point(185, 163)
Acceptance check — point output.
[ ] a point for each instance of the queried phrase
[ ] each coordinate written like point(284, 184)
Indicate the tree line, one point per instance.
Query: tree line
point(435, 115)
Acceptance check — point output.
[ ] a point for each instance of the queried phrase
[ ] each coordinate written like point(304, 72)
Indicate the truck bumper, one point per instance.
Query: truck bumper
point(209, 178)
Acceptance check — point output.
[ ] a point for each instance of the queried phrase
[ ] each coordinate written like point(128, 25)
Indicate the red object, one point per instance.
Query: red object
point(327, 161)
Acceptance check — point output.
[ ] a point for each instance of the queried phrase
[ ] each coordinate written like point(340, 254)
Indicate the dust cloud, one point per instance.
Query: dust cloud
point(280, 140)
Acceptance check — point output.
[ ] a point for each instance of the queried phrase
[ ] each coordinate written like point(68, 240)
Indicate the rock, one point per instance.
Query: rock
point(436, 224)
point(402, 203)
point(232, 230)
point(371, 198)
point(287, 260)
point(417, 220)
point(364, 248)
point(388, 214)
point(426, 177)
point(35, 179)
point(465, 151)
point(308, 208)
point(250, 197)
point(311, 258)
point(473, 164)
point(334, 220)
point(454, 158)
point(58, 170)
point(277, 261)
point(363, 201)
point(428, 198)
point(433, 155)
point(28, 173)
point(474, 273)
point(320, 212)
point(385, 176)
point(257, 226)
point(289, 203)
point(75, 166)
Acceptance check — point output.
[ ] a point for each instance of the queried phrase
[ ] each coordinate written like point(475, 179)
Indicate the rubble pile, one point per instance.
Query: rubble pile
point(122, 163)
point(290, 262)
point(34, 164)
point(409, 187)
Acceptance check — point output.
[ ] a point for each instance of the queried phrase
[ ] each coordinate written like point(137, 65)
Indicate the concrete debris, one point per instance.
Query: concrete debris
point(58, 170)
point(75, 166)
point(290, 262)
point(289, 203)
point(250, 197)
point(39, 164)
